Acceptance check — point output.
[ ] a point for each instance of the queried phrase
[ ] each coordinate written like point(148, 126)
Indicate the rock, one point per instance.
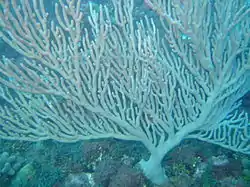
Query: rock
point(24, 176)
point(77, 180)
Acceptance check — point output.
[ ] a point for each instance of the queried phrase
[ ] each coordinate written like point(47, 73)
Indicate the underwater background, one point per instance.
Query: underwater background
point(111, 162)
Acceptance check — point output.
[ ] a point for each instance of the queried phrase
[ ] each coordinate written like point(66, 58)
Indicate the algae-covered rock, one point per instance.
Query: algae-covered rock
point(10, 163)
point(24, 176)
point(246, 163)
